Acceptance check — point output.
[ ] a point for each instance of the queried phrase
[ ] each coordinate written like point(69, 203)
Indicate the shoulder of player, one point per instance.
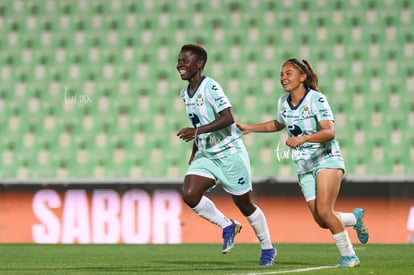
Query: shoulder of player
point(316, 96)
point(183, 92)
point(212, 84)
point(282, 99)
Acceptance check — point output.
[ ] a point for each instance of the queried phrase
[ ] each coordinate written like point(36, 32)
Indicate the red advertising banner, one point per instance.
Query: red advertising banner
point(160, 216)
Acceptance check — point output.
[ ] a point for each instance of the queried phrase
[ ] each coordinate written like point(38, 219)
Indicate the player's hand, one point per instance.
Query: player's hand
point(186, 134)
point(244, 128)
point(294, 142)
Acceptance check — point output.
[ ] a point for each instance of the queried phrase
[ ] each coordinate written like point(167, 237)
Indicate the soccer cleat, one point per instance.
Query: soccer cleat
point(268, 256)
point(229, 232)
point(360, 228)
point(349, 261)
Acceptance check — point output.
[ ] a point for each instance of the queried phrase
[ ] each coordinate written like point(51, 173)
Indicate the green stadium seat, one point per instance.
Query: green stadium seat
point(122, 54)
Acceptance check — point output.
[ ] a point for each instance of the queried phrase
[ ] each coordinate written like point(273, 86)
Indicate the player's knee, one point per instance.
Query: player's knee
point(319, 221)
point(190, 197)
point(191, 202)
point(245, 206)
point(247, 211)
point(324, 214)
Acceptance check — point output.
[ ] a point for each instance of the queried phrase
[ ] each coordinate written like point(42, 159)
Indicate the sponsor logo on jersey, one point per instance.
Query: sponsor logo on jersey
point(188, 102)
point(286, 115)
point(325, 113)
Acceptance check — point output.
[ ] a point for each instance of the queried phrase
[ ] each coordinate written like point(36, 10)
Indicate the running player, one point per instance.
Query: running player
point(306, 114)
point(218, 154)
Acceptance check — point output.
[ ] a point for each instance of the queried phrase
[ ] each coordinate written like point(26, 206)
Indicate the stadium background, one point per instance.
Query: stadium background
point(89, 91)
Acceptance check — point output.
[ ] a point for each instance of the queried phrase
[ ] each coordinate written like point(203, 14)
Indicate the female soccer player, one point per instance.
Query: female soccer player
point(218, 154)
point(317, 157)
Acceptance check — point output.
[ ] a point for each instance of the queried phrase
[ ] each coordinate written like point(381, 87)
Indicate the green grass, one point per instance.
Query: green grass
point(196, 259)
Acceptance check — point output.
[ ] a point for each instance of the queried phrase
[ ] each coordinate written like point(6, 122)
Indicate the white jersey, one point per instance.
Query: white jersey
point(202, 108)
point(304, 119)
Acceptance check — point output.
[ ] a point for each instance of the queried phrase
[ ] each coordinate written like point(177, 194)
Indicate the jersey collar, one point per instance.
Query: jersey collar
point(195, 91)
point(289, 100)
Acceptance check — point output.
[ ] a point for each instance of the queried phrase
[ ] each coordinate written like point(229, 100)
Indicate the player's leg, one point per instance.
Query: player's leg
point(356, 220)
point(311, 205)
point(356, 217)
point(257, 220)
point(307, 183)
point(236, 181)
point(328, 184)
point(200, 177)
point(194, 188)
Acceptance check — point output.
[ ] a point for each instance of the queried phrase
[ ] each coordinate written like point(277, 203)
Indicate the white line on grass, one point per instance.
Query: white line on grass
point(306, 269)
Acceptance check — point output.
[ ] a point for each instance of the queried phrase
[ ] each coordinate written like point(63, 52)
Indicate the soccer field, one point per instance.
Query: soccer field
point(198, 259)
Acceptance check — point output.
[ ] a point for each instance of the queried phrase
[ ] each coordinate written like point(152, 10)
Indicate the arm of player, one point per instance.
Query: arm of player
point(326, 133)
point(264, 127)
point(224, 119)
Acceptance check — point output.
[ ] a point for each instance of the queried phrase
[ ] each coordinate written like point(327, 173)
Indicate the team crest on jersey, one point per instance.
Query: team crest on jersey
point(199, 100)
point(305, 113)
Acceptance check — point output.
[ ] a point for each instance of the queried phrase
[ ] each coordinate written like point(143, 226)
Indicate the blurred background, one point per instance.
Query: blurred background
point(89, 89)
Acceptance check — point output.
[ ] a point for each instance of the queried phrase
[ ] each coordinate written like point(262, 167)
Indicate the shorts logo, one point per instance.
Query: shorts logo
point(241, 181)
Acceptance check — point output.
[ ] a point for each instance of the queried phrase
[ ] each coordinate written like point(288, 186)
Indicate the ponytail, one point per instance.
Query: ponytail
point(312, 79)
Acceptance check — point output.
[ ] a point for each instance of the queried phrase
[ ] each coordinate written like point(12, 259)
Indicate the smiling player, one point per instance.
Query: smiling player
point(218, 154)
point(306, 114)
